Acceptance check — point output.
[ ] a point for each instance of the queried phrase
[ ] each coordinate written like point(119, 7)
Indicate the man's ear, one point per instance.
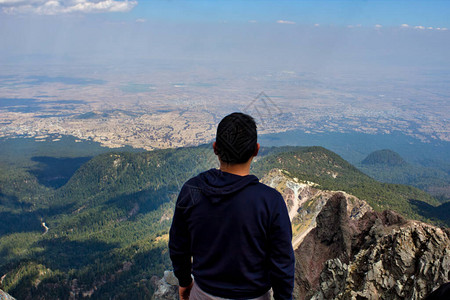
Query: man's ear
point(214, 148)
point(257, 150)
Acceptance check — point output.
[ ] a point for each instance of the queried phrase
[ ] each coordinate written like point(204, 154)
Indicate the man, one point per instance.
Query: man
point(236, 230)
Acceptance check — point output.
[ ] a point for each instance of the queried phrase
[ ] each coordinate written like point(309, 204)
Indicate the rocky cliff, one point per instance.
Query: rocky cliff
point(305, 201)
point(346, 250)
point(378, 256)
point(5, 296)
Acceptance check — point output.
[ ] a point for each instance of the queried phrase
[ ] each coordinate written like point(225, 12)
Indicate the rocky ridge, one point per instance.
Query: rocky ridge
point(379, 256)
point(305, 201)
point(346, 250)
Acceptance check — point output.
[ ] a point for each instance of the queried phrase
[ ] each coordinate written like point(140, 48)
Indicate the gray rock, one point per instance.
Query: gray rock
point(166, 288)
point(379, 256)
point(170, 278)
point(6, 296)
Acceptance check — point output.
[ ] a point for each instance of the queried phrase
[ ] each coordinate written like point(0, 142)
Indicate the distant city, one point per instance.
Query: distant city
point(180, 107)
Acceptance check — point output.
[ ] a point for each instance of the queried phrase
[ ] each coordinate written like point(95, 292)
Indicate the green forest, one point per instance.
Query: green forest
point(388, 166)
point(103, 231)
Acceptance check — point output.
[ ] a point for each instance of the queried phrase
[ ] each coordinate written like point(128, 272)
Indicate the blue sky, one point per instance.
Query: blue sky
point(427, 13)
point(394, 32)
point(366, 13)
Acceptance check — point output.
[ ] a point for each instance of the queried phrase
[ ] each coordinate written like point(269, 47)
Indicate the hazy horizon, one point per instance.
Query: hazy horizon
point(371, 66)
point(306, 34)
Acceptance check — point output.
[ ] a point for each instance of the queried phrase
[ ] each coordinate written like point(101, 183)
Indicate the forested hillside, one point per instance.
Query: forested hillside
point(331, 172)
point(385, 156)
point(389, 166)
point(104, 233)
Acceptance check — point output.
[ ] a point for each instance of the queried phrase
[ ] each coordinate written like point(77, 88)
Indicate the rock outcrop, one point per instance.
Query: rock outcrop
point(166, 288)
point(6, 296)
point(305, 201)
point(378, 256)
point(346, 250)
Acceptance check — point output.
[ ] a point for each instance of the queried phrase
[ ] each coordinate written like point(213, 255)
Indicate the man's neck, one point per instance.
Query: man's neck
point(237, 169)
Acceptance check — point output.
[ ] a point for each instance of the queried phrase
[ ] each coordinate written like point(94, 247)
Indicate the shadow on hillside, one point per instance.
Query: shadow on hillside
point(141, 202)
point(145, 265)
point(95, 264)
point(12, 202)
point(63, 254)
point(25, 221)
point(19, 222)
point(440, 213)
point(54, 172)
point(157, 260)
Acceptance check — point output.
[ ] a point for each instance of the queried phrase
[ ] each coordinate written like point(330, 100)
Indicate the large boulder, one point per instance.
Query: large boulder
point(377, 256)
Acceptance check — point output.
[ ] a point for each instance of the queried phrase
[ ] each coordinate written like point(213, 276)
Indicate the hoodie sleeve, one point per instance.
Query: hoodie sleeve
point(180, 241)
point(282, 260)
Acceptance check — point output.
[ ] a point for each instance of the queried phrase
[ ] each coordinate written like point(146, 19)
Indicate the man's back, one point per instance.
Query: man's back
point(239, 235)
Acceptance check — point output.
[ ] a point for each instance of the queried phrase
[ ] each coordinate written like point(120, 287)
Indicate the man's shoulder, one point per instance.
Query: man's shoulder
point(195, 180)
point(265, 187)
point(267, 190)
point(266, 196)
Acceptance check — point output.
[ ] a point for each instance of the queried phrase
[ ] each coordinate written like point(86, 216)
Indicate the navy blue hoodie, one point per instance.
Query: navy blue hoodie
point(238, 233)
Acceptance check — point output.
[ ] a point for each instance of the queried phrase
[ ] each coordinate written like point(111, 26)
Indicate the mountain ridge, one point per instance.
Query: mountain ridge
point(108, 224)
point(346, 250)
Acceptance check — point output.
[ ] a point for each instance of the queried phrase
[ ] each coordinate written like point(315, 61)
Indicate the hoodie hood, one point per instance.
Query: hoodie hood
point(218, 185)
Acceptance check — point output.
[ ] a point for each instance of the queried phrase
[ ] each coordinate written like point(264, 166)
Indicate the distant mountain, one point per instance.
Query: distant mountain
point(385, 157)
point(388, 166)
point(331, 172)
point(104, 233)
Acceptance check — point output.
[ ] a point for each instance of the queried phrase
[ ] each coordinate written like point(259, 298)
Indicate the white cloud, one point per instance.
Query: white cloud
point(253, 21)
point(141, 20)
point(13, 2)
point(378, 26)
point(316, 25)
point(420, 27)
point(285, 22)
point(444, 28)
point(55, 7)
